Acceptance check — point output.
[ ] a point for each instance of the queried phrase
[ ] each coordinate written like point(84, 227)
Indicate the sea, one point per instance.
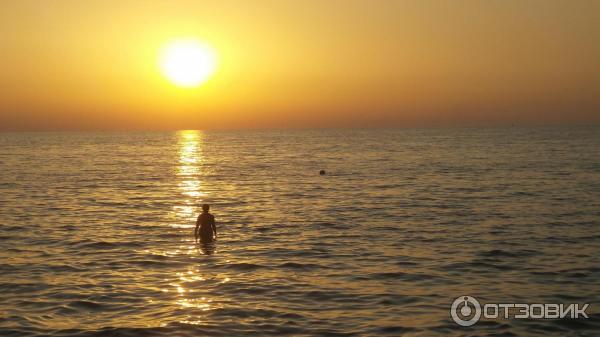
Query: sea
point(96, 231)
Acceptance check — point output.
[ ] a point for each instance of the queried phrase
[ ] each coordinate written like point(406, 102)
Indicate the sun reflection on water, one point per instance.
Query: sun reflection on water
point(188, 297)
point(185, 287)
point(188, 172)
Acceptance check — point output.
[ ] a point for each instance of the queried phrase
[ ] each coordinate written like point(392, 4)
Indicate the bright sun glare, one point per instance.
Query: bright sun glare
point(188, 63)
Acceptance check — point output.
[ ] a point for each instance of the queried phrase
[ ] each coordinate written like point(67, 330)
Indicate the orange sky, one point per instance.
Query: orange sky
point(81, 65)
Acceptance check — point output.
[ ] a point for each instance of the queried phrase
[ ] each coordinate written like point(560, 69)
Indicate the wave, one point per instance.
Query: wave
point(244, 266)
point(300, 266)
point(506, 253)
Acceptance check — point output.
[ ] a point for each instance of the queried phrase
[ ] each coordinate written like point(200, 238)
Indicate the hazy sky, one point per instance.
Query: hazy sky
point(93, 64)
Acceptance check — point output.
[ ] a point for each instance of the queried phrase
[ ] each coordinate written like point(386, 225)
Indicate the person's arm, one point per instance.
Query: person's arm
point(197, 228)
point(214, 227)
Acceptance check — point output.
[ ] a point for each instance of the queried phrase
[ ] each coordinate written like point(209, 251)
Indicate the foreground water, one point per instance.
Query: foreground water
point(96, 231)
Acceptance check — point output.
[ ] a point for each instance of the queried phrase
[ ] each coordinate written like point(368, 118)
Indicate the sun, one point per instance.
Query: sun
point(188, 62)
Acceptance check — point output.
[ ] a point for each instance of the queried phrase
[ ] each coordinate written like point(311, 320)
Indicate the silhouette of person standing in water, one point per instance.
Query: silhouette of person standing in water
point(205, 226)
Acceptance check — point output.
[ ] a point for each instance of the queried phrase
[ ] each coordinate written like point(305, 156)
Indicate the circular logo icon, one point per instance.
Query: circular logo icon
point(465, 310)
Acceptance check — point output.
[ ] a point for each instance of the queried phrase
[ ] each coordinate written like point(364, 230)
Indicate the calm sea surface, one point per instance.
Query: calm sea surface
point(96, 231)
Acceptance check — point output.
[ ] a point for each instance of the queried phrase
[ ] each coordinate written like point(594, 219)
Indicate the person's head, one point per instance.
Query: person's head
point(205, 207)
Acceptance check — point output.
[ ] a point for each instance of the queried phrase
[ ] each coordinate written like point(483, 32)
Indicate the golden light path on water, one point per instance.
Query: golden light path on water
point(190, 186)
point(190, 158)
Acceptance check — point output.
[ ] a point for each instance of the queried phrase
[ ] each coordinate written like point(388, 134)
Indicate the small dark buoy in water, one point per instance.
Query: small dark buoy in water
point(322, 172)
